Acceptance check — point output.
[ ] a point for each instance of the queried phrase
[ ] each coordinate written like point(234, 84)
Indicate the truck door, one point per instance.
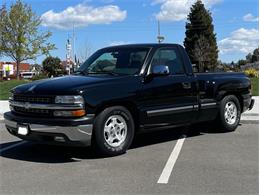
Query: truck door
point(173, 98)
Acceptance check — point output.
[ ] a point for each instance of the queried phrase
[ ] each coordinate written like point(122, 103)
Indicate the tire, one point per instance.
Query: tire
point(229, 113)
point(113, 131)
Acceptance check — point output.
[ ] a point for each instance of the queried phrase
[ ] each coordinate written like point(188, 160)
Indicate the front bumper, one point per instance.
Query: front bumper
point(248, 102)
point(76, 132)
point(251, 104)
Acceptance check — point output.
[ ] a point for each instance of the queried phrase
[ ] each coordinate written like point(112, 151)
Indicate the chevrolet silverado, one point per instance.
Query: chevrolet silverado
point(122, 90)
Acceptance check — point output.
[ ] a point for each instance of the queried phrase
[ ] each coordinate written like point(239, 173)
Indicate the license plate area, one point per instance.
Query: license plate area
point(23, 129)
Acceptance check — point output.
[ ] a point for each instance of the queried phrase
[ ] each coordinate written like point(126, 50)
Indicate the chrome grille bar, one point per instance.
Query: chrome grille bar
point(28, 105)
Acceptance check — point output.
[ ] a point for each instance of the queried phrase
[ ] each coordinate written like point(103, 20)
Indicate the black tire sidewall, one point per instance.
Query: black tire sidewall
point(100, 143)
point(225, 126)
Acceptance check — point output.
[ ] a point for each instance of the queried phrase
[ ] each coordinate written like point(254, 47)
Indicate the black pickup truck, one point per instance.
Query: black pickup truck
point(122, 90)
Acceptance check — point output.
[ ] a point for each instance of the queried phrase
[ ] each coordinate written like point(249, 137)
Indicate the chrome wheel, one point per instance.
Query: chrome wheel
point(230, 113)
point(115, 130)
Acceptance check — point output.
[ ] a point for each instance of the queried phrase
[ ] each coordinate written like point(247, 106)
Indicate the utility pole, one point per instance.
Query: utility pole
point(73, 48)
point(159, 37)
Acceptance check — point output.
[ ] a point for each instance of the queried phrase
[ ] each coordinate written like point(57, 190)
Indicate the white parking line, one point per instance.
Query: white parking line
point(12, 146)
point(166, 173)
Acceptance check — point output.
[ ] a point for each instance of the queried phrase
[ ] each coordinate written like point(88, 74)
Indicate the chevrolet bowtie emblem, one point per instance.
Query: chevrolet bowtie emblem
point(27, 105)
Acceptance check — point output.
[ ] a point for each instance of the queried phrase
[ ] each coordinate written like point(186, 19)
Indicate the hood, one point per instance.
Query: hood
point(61, 85)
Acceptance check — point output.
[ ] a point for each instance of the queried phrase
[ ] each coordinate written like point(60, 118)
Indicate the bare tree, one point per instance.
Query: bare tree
point(85, 52)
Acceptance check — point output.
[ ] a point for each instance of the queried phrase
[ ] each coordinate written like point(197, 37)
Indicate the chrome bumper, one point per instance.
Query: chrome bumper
point(61, 134)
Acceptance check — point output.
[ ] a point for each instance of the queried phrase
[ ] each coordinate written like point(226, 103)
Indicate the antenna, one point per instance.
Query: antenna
point(159, 37)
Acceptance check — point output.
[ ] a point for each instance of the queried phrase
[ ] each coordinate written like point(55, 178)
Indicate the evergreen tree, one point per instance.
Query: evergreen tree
point(255, 56)
point(249, 58)
point(200, 25)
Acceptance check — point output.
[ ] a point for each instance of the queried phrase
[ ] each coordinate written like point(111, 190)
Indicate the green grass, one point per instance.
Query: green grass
point(255, 85)
point(6, 86)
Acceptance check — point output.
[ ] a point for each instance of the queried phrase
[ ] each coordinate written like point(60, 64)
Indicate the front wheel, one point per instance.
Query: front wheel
point(229, 113)
point(113, 131)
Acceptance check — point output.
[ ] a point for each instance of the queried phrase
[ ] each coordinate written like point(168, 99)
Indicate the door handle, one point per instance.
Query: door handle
point(186, 85)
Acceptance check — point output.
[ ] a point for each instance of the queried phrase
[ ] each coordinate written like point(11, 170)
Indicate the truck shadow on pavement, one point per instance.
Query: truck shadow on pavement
point(38, 153)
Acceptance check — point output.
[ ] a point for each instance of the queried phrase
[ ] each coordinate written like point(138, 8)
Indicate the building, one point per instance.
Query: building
point(68, 65)
point(9, 69)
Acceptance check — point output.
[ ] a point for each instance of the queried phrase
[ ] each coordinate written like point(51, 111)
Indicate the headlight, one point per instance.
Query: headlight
point(76, 99)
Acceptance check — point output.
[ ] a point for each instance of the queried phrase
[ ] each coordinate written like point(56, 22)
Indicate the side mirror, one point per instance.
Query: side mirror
point(160, 70)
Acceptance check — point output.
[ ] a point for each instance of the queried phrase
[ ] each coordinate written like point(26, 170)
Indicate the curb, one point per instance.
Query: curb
point(249, 121)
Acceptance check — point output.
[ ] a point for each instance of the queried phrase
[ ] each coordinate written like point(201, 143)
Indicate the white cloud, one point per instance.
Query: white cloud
point(177, 10)
point(250, 18)
point(241, 40)
point(82, 15)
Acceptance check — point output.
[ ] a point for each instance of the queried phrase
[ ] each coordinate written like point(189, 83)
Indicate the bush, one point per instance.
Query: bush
point(251, 72)
point(255, 86)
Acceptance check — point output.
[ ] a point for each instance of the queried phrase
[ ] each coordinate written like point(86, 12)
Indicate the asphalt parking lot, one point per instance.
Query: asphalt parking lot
point(208, 162)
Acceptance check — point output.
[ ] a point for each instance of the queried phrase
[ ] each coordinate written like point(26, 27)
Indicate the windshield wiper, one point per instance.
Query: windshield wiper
point(80, 72)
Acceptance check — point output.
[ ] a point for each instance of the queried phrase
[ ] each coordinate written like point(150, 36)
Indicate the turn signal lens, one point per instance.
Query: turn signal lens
point(78, 113)
point(75, 113)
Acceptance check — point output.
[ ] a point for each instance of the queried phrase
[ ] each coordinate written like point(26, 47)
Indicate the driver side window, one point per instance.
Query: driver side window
point(170, 58)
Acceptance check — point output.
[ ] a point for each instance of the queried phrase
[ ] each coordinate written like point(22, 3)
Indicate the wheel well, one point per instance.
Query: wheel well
point(238, 96)
point(131, 107)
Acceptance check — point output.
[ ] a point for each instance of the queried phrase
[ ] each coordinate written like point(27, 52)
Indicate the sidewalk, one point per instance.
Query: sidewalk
point(251, 116)
point(4, 107)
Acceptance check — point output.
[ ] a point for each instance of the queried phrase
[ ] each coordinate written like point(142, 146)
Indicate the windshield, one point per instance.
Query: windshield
point(115, 61)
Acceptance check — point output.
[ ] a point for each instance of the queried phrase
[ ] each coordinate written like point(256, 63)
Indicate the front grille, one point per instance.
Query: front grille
point(32, 112)
point(33, 99)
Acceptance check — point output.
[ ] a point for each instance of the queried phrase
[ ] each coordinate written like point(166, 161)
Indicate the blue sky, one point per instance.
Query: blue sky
point(100, 23)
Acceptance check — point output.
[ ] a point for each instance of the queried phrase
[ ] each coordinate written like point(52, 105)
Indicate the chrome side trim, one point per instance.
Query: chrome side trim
point(184, 108)
point(28, 105)
point(151, 112)
point(209, 104)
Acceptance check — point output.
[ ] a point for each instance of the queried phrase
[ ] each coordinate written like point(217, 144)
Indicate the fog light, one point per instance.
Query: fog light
point(59, 139)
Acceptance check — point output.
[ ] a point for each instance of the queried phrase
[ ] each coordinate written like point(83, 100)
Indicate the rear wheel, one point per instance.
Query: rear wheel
point(229, 113)
point(113, 131)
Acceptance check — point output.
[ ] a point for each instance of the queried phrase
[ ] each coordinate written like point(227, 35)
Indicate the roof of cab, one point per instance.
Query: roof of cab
point(149, 45)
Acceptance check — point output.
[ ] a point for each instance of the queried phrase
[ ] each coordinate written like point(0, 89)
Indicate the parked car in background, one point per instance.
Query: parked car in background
point(28, 75)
